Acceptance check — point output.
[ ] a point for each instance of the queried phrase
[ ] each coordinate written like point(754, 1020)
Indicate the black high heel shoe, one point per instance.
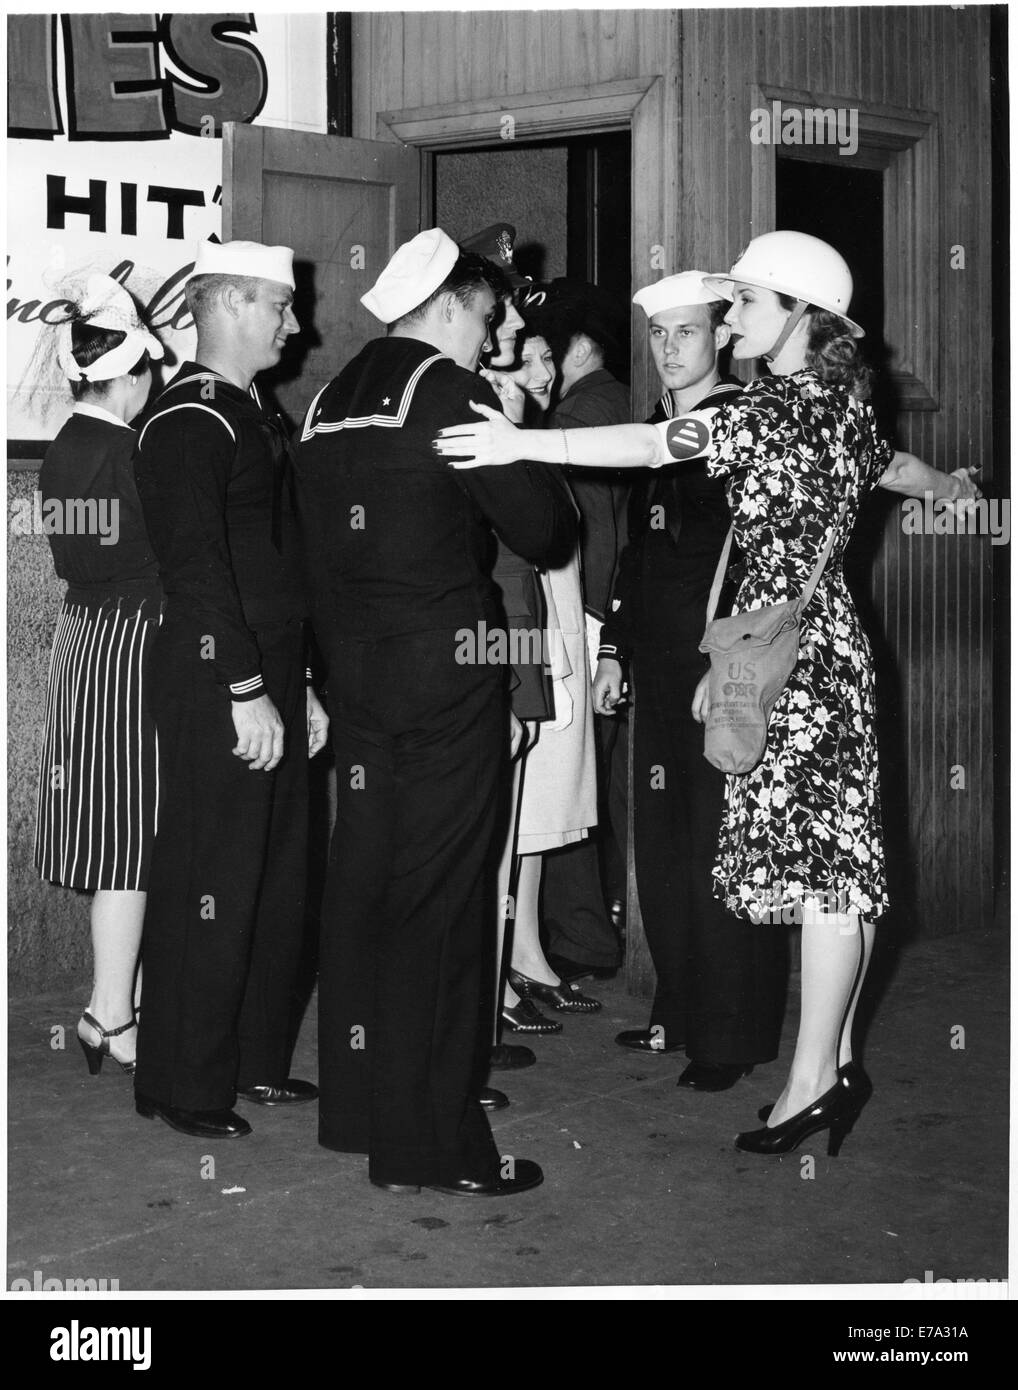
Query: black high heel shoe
point(853, 1079)
point(94, 1054)
point(836, 1111)
point(565, 999)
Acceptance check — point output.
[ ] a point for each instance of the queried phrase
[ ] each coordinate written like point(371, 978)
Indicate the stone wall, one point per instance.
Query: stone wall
point(48, 936)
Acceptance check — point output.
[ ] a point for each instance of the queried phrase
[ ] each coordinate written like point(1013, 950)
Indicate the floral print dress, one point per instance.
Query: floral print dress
point(804, 826)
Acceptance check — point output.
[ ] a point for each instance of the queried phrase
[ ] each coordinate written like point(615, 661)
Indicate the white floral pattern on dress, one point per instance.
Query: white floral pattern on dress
point(804, 825)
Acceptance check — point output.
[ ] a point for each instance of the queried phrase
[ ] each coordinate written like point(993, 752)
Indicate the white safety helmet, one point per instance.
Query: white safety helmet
point(795, 264)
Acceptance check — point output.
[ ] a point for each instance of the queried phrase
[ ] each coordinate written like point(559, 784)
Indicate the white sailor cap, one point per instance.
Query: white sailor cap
point(104, 303)
point(249, 258)
point(675, 292)
point(413, 274)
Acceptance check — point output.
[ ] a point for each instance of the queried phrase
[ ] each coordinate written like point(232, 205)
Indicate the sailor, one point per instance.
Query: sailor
point(400, 552)
point(235, 718)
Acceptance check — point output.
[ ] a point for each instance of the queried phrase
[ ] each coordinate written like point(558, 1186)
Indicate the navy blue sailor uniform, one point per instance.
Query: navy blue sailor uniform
point(400, 552)
point(224, 920)
point(720, 979)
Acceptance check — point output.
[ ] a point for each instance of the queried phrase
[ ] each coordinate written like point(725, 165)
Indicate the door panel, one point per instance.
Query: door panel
point(344, 206)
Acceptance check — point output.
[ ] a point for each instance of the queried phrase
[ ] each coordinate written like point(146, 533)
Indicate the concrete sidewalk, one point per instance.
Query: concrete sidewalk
point(642, 1183)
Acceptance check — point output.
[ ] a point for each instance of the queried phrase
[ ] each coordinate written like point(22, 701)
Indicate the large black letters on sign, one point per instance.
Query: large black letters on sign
point(115, 90)
point(231, 71)
point(31, 77)
point(113, 82)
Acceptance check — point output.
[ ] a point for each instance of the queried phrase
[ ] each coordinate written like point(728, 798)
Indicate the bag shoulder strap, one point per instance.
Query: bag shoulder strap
point(719, 576)
point(814, 579)
point(818, 568)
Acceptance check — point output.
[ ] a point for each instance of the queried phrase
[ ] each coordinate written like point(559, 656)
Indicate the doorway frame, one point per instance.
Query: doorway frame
point(905, 145)
point(647, 106)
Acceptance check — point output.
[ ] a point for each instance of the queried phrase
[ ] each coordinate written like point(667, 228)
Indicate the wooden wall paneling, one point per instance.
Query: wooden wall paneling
point(242, 174)
point(378, 67)
point(931, 593)
point(500, 55)
point(421, 59)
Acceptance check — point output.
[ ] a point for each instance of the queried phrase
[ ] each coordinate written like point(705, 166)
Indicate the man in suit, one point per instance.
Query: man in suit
point(235, 718)
point(720, 979)
point(400, 551)
point(583, 327)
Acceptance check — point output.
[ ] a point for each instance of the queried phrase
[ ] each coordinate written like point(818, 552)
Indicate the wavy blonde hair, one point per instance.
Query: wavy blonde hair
point(833, 353)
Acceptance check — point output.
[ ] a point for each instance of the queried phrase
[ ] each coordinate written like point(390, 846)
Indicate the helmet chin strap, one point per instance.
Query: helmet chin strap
point(791, 323)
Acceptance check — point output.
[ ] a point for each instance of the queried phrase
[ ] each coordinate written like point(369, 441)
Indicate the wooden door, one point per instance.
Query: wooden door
point(344, 206)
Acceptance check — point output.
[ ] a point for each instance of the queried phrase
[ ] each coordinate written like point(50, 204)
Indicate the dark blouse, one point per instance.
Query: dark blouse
point(90, 510)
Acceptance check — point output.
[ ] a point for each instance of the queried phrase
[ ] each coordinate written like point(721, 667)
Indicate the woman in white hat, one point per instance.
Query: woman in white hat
point(802, 829)
point(98, 782)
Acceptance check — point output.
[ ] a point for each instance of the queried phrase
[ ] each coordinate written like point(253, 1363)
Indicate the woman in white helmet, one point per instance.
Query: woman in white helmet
point(802, 828)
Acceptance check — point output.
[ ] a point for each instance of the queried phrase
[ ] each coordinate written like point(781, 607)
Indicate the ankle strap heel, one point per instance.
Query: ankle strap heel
point(94, 1053)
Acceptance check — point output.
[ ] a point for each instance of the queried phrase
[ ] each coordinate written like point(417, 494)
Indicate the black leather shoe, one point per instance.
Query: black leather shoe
point(293, 1093)
point(712, 1076)
point(204, 1124)
point(493, 1100)
point(645, 1040)
point(835, 1111)
point(525, 1018)
point(525, 1175)
point(403, 1187)
point(511, 1057)
point(564, 998)
point(853, 1080)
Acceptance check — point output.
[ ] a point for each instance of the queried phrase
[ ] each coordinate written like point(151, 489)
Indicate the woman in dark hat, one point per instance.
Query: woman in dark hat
point(98, 783)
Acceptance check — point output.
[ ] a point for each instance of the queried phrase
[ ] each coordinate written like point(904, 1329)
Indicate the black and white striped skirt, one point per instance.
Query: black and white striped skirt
point(98, 774)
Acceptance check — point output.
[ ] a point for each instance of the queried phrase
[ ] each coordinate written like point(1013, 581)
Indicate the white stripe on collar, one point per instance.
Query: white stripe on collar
point(98, 412)
point(395, 420)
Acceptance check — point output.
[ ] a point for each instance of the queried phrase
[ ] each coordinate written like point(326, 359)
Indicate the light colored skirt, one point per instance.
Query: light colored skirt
point(559, 802)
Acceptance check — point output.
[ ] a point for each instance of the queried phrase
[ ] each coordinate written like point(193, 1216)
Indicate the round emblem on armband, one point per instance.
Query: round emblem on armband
point(686, 438)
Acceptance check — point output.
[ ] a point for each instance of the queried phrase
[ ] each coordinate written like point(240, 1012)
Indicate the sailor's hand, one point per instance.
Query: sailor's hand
point(259, 733)
point(607, 692)
point(318, 724)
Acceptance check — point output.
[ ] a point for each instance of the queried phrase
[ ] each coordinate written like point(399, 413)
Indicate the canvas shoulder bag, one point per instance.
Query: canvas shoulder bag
point(751, 657)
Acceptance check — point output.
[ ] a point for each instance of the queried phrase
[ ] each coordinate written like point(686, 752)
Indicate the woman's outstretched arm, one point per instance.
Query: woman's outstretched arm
point(494, 442)
point(909, 475)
